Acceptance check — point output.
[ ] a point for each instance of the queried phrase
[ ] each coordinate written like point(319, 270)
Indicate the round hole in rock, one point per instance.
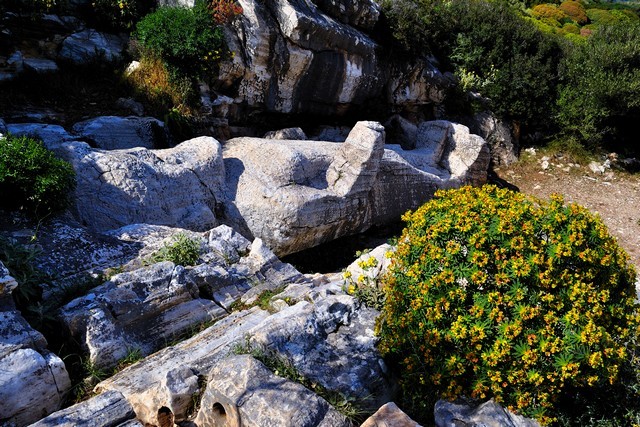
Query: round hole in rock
point(165, 417)
point(218, 410)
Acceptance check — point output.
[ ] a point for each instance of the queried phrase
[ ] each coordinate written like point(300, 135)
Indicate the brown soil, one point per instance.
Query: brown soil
point(614, 195)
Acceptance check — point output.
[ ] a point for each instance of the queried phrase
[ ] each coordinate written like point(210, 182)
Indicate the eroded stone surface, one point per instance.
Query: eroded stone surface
point(176, 186)
point(109, 409)
point(242, 392)
point(489, 414)
point(117, 133)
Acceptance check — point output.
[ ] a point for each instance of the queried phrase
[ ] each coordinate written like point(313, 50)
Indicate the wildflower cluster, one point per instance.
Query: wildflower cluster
point(363, 279)
point(494, 294)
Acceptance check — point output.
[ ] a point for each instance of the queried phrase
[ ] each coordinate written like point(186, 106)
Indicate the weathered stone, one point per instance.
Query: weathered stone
point(301, 196)
point(117, 133)
point(177, 186)
point(316, 58)
point(488, 414)
point(33, 384)
point(3, 128)
point(51, 135)
point(130, 105)
point(330, 342)
point(288, 133)
point(242, 392)
point(90, 44)
point(147, 385)
point(389, 415)
point(7, 283)
point(33, 381)
point(446, 156)
point(362, 14)
point(16, 333)
point(139, 310)
point(331, 133)
point(109, 409)
point(40, 65)
point(504, 147)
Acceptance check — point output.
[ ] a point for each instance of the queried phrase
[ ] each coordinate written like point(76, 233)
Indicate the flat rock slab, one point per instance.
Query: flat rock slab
point(118, 133)
point(108, 409)
point(243, 392)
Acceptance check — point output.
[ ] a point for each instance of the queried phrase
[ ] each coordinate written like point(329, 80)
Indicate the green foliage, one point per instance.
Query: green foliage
point(367, 287)
point(495, 294)
point(186, 39)
point(489, 45)
point(118, 15)
point(599, 99)
point(20, 261)
point(182, 250)
point(32, 178)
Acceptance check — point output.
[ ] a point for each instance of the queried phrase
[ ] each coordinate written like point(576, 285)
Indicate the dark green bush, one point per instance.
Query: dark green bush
point(186, 39)
point(489, 45)
point(600, 94)
point(495, 294)
point(32, 178)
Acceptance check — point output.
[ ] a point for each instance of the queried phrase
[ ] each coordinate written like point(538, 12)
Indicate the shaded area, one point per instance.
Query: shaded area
point(338, 254)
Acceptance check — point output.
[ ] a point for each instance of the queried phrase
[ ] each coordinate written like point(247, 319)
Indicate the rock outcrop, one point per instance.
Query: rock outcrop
point(242, 392)
point(90, 44)
point(118, 133)
point(291, 194)
point(295, 56)
point(33, 381)
point(323, 334)
point(144, 309)
point(296, 195)
point(176, 186)
point(489, 414)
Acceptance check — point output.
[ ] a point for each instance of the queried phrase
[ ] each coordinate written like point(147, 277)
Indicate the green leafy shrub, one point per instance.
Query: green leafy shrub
point(601, 17)
point(599, 99)
point(183, 250)
point(117, 14)
point(31, 178)
point(550, 13)
point(501, 55)
point(20, 261)
point(576, 11)
point(186, 39)
point(495, 294)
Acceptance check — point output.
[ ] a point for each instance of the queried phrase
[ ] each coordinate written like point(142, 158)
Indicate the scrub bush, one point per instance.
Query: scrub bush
point(493, 294)
point(32, 179)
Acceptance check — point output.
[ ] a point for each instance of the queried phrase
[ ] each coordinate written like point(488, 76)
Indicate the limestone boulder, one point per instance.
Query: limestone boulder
point(317, 58)
point(446, 155)
point(504, 146)
point(326, 336)
point(243, 392)
point(295, 195)
point(389, 415)
point(140, 311)
point(33, 381)
point(89, 44)
point(117, 133)
point(109, 409)
point(288, 133)
point(489, 414)
point(162, 379)
point(51, 135)
point(180, 186)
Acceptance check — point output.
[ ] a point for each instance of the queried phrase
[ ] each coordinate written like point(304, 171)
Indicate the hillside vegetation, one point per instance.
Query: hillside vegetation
point(570, 69)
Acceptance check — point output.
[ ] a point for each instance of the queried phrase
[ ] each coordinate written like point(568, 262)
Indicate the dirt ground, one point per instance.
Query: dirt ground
point(613, 194)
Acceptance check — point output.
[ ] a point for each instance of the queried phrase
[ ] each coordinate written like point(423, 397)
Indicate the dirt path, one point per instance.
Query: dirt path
point(614, 195)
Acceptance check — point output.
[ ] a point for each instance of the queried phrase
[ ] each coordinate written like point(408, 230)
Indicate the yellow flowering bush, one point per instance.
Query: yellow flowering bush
point(493, 294)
